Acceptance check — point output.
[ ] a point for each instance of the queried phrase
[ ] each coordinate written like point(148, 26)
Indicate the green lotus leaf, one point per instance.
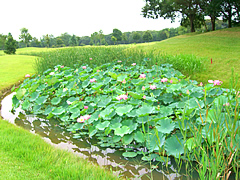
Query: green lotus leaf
point(129, 154)
point(166, 111)
point(15, 101)
point(58, 111)
point(116, 138)
point(121, 77)
point(174, 146)
point(190, 144)
point(97, 86)
point(74, 110)
point(135, 95)
point(37, 108)
point(25, 105)
point(103, 125)
point(113, 75)
point(115, 125)
point(92, 133)
point(139, 137)
point(142, 120)
point(48, 110)
point(20, 93)
point(124, 109)
point(166, 126)
point(41, 100)
point(85, 83)
point(135, 101)
point(154, 141)
point(104, 102)
point(127, 139)
point(33, 88)
point(52, 81)
point(33, 96)
point(145, 110)
point(56, 100)
point(72, 99)
point(157, 92)
point(121, 131)
point(75, 115)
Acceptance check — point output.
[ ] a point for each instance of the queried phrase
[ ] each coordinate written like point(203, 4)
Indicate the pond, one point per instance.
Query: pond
point(53, 133)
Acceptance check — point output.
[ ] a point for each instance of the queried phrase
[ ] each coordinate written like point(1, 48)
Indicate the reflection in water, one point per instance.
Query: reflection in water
point(51, 132)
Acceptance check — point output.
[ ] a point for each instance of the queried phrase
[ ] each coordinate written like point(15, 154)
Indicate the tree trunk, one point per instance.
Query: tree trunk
point(213, 18)
point(191, 18)
point(230, 16)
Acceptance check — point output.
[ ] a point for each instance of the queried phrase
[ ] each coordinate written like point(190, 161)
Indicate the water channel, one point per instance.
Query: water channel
point(53, 133)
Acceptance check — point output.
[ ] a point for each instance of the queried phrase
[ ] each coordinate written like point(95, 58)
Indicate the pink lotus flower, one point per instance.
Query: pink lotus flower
point(171, 81)
point(27, 75)
point(143, 88)
point(152, 87)
point(201, 84)
point(62, 66)
point(98, 70)
point(64, 89)
point(82, 119)
point(90, 59)
point(215, 82)
point(142, 76)
point(133, 64)
point(69, 102)
point(92, 80)
point(227, 104)
point(85, 107)
point(123, 96)
point(188, 92)
point(164, 80)
point(124, 81)
point(84, 67)
point(51, 73)
point(144, 97)
point(56, 69)
point(119, 61)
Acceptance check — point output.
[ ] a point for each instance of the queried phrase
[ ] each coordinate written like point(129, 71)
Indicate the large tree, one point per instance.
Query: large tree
point(169, 9)
point(117, 34)
point(10, 45)
point(25, 36)
point(147, 36)
point(230, 9)
point(2, 41)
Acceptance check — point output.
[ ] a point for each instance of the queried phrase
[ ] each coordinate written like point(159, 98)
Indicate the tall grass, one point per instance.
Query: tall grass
point(74, 57)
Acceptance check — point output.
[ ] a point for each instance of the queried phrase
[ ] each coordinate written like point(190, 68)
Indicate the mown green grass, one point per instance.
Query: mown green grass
point(14, 68)
point(222, 46)
point(26, 156)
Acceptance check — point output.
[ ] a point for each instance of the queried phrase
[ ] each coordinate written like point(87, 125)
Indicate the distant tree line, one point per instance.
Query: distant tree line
point(98, 38)
point(193, 12)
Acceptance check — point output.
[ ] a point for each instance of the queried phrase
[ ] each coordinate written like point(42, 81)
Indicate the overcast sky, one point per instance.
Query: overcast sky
point(79, 17)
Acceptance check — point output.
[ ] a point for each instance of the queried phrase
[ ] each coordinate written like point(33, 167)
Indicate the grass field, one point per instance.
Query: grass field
point(222, 46)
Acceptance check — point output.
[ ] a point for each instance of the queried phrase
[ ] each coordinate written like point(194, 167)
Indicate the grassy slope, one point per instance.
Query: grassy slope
point(33, 158)
point(223, 46)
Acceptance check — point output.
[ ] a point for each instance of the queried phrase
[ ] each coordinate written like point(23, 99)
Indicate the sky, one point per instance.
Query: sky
point(79, 17)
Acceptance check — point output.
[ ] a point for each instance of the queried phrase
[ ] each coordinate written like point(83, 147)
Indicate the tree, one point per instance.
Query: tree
point(211, 8)
point(59, 42)
point(101, 37)
point(47, 40)
point(136, 36)
point(35, 42)
point(117, 34)
point(73, 41)
point(169, 9)
point(124, 37)
point(2, 41)
point(114, 39)
point(65, 37)
point(10, 45)
point(230, 9)
point(25, 36)
point(147, 36)
point(94, 38)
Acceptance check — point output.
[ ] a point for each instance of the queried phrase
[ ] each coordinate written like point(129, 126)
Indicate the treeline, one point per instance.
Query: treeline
point(98, 38)
point(193, 12)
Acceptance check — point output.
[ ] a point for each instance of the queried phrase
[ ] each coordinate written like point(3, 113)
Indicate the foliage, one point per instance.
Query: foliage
point(10, 45)
point(136, 36)
point(117, 34)
point(147, 36)
point(2, 41)
point(152, 110)
point(25, 36)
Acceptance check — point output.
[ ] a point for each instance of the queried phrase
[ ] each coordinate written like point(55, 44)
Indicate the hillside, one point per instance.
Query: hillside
point(223, 46)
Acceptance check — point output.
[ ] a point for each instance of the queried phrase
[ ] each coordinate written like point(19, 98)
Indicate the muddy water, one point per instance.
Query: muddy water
point(56, 135)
